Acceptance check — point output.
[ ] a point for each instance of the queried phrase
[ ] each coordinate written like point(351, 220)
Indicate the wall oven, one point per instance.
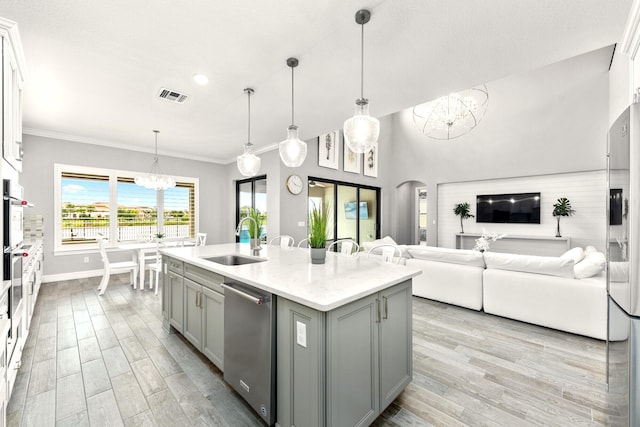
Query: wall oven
point(13, 255)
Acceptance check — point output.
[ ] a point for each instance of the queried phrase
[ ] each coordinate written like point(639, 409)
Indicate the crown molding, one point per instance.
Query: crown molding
point(631, 35)
point(123, 146)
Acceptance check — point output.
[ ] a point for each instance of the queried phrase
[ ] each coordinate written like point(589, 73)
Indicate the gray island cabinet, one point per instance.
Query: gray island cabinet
point(344, 329)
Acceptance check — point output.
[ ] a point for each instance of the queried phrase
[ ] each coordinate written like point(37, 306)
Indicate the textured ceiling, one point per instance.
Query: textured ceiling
point(95, 68)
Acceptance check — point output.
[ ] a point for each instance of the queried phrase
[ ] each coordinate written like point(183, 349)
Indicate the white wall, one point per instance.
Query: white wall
point(585, 190)
point(37, 178)
point(547, 121)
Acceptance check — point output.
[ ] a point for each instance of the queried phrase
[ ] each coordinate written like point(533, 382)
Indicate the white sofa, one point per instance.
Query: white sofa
point(448, 275)
point(567, 293)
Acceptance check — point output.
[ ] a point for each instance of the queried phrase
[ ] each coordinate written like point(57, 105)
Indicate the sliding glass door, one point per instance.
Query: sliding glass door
point(251, 194)
point(354, 208)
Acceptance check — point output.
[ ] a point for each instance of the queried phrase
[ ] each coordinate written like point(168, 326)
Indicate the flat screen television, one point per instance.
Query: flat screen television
point(518, 208)
point(350, 210)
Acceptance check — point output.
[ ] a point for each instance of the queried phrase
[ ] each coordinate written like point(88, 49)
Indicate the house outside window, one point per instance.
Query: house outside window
point(90, 202)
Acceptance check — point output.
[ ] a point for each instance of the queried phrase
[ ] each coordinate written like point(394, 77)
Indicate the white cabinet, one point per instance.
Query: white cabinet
point(13, 76)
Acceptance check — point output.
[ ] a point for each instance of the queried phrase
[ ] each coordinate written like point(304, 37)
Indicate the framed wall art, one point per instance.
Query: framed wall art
point(371, 162)
point(351, 160)
point(328, 150)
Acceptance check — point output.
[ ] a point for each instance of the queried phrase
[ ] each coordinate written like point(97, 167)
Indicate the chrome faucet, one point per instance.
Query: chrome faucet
point(255, 243)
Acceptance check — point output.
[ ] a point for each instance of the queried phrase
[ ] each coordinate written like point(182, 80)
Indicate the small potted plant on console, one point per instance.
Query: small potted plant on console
point(463, 210)
point(560, 209)
point(318, 219)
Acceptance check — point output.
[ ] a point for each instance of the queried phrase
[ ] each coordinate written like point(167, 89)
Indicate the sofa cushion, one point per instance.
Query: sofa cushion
point(454, 256)
point(551, 266)
point(592, 264)
point(576, 254)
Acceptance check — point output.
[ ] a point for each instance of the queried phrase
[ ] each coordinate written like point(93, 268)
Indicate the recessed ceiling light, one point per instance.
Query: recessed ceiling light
point(201, 79)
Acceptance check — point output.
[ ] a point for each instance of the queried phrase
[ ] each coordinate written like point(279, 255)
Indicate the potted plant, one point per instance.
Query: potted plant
point(463, 210)
point(258, 218)
point(318, 219)
point(560, 209)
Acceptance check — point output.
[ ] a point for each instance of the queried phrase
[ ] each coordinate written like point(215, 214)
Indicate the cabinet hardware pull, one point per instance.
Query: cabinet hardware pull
point(198, 299)
point(378, 309)
point(386, 308)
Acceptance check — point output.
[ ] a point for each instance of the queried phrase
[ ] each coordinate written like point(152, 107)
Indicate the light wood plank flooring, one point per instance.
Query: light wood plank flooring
point(97, 361)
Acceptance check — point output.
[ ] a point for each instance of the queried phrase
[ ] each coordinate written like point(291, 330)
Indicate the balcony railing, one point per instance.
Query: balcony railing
point(125, 233)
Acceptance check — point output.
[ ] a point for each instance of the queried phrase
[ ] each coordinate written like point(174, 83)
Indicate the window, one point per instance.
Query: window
point(251, 194)
point(354, 208)
point(93, 202)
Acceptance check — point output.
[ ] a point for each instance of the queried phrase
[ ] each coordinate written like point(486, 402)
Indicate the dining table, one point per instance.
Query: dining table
point(140, 250)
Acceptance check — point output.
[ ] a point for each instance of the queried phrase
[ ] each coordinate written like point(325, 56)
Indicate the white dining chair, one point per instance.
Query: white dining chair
point(387, 252)
point(115, 267)
point(348, 247)
point(201, 239)
point(304, 243)
point(155, 267)
point(284, 241)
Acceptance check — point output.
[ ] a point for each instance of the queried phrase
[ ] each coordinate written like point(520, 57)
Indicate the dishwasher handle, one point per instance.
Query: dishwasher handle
point(257, 300)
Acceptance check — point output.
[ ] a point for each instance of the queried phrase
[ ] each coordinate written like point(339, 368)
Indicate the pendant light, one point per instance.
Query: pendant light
point(292, 150)
point(248, 163)
point(155, 180)
point(361, 131)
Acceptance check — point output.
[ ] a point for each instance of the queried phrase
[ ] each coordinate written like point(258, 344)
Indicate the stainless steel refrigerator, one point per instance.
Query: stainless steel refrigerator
point(623, 269)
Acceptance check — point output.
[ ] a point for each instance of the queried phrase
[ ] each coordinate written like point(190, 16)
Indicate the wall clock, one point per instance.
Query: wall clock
point(294, 184)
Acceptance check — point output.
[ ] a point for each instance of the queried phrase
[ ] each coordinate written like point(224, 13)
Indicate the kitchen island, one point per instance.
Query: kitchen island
point(343, 329)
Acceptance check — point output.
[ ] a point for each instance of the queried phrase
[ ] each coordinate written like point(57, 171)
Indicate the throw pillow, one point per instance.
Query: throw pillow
point(591, 265)
point(576, 254)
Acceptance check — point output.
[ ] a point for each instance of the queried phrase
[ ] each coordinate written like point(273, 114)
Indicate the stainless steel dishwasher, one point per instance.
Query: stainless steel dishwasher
point(249, 346)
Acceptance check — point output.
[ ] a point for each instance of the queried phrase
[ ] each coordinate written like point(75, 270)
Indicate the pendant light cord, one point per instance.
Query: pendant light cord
point(362, 61)
point(292, 109)
point(156, 156)
point(249, 118)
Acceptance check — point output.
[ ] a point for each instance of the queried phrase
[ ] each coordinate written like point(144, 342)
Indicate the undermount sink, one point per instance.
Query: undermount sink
point(233, 260)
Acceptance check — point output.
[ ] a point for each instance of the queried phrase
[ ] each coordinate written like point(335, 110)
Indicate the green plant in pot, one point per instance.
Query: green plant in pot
point(318, 221)
point(463, 210)
point(560, 209)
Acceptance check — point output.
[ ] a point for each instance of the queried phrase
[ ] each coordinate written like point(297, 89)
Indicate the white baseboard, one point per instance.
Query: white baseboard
point(72, 275)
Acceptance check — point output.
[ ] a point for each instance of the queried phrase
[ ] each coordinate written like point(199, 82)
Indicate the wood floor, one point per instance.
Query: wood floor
point(106, 360)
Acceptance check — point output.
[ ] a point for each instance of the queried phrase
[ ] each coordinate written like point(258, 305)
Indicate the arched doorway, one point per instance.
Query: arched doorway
point(406, 212)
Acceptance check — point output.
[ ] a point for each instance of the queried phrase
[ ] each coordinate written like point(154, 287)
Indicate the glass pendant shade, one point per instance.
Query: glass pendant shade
point(248, 163)
point(155, 180)
point(361, 131)
point(293, 151)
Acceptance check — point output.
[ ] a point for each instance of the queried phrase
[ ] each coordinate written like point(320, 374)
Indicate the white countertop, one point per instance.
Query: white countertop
point(288, 273)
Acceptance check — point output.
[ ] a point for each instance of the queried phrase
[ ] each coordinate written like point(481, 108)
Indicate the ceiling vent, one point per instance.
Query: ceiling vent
point(173, 96)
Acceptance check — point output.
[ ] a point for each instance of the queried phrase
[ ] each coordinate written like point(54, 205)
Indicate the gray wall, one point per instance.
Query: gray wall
point(37, 178)
point(550, 120)
point(286, 210)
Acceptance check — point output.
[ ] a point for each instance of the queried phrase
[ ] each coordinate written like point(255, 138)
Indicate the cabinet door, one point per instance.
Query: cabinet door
point(176, 301)
point(396, 360)
point(193, 313)
point(213, 326)
point(352, 365)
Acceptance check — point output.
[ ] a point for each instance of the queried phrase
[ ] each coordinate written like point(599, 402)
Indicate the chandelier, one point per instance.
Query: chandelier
point(453, 115)
point(155, 180)
point(248, 163)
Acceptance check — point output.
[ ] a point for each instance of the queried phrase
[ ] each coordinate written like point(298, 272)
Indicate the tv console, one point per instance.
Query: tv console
point(518, 244)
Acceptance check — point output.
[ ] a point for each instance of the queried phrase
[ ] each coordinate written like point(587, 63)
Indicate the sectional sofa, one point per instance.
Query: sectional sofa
point(567, 293)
